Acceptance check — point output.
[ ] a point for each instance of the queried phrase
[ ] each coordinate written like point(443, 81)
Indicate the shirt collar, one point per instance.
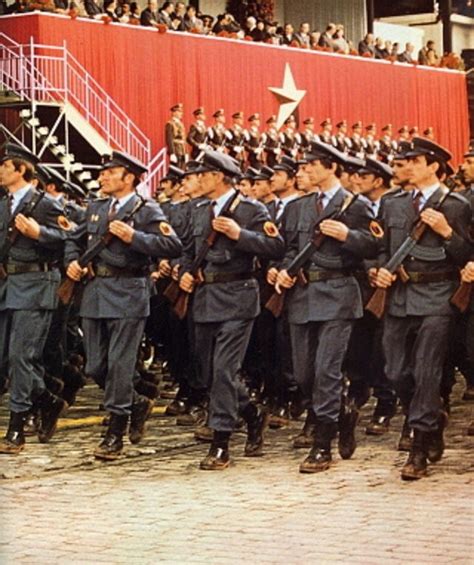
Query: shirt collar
point(18, 196)
point(426, 193)
point(219, 202)
point(329, 194)
point(122, 201)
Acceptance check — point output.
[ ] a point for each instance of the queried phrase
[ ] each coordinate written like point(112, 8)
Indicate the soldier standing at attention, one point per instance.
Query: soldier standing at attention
point(253, 142)
point(116, 301)
point(226, 300)
point(197, 136)
point(419, 316)
point(175, 134)
point(34, 228)
point(235, 138)
point(217, 133)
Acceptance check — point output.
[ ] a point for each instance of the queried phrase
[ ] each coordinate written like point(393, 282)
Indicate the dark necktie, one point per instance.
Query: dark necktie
point(113, 209)
point(319, 203)
point(417, 201)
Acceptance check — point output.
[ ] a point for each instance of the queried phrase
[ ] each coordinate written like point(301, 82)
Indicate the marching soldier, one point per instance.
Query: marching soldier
point(32, 234)
point(236, 139)
point(116, 300)
point(197, 136)
point(419, 317)
point(216, 134)
point(175, 134)
point(322, 309)
point(271, 143)
point(253, 142)
point(226, 301)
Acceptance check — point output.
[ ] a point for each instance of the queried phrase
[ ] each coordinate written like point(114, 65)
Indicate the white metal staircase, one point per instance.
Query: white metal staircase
point(45, 74)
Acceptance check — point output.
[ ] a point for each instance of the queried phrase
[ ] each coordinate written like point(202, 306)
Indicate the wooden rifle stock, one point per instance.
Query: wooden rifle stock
point(172, 291)
point(377, 303)
point(462, 297)
point(66, 290)
point(276, 303)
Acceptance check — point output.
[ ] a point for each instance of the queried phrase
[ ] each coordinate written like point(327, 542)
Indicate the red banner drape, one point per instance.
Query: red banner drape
point(147, 72)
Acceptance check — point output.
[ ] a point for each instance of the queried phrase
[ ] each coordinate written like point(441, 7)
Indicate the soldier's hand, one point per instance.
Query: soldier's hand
point(272, 275)
point(437, 222)
point(29, 227)
point(284, 281)
point(372, 276)
point(186, 282)
point(467, 274)
point(175, 273)
point(164, 268)
point(122, 230)
point(229, 227)
point(75, 272)
point(334, 229)
point(384, 278)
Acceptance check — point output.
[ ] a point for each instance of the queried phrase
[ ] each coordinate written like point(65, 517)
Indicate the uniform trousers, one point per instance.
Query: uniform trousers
point(22, 337)
point(220, 350)
point(318, 350)
point(111, 346)
point(417, 345)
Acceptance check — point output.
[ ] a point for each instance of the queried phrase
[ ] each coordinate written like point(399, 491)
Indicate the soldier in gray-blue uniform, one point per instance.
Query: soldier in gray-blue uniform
point(27, 293)
point(419, 315)
point(322, 309)
point(116, 299)
point(226, 301)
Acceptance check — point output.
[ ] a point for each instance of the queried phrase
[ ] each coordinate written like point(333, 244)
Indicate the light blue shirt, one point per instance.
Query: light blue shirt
point(121, 201)
point(328, 195)
point(220, 202)
point(426, 194)
point(18, 196)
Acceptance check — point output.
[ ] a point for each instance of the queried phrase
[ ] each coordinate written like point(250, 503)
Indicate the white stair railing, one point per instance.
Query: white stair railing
point(46, 73)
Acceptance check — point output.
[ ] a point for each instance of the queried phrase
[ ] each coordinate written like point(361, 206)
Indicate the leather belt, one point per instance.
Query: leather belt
point(110, 271)
point(317, 276)
point(209, 278)
point(437, 276)
point(19, 268)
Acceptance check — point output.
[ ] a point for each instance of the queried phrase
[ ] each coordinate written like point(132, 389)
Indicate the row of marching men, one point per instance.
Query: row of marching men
point(254, 147)
point(286, 381)
point(317, 236)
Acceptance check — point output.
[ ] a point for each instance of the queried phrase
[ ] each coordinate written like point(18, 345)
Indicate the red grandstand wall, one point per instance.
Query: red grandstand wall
point(146, 72)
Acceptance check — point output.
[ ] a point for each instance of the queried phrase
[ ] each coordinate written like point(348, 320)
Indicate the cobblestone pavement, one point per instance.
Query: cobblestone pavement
point(59, 505)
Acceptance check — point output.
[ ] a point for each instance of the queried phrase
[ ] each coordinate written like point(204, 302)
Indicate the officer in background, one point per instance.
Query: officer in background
point(175, 135)
point(116, 301)
point(226, 301)
point(217, 134)
point(271, 143)
point(197, 136)
point(339, 140)
point(28, 297)
point(419, 316)
point(307, 135)
point(236, 139)
point(254, 143)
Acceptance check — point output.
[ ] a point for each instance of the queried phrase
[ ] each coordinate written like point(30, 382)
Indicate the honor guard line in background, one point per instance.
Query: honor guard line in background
point(212, 72)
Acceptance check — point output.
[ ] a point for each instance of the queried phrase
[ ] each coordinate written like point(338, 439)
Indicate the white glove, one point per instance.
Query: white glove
point(173, 158)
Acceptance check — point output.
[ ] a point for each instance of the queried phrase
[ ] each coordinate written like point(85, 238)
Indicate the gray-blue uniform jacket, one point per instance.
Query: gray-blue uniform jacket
point(259, 237)
point(35, 290)
point(124, 292)
point(337, 298)
point(433, 254)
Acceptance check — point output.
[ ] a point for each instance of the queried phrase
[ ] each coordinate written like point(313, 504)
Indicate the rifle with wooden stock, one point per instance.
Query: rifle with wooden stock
point(14, 232)
point(378, 301)
point(179, 298)
point(68, 286)
point(277, 301)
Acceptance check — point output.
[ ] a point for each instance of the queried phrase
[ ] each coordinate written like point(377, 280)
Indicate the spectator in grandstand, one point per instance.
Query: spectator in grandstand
point(314, 42)
point(380, 50)
point(110, 9)
point(226, 23)
point(93, 9)
point(326, 38)
point(125, 13)
point(428, 56)
point(339, 42)
point(177, 17)
point(407, 55)
point(165, 13)
point(207, 22)
point(303, 37)
point(191, 21)
point(366, 46)
point(149, 16)
point(288, 35)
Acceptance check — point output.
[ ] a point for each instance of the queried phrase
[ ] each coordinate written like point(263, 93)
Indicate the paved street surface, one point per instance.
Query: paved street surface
point(59, 505)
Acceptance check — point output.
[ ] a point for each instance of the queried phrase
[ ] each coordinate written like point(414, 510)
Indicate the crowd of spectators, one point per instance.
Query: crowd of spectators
point(179, 17)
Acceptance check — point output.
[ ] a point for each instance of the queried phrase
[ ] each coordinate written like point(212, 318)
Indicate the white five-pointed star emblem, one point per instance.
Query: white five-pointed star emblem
point(288, 96)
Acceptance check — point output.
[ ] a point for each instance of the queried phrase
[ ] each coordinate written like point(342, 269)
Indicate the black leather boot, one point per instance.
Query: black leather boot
point(218, 457)
point(416, 466)
point(435, 439)
point(348, 419)
point(319, 458)
point(306, 437)
point(257, 418)
point(50, 408)
point(141, 410)
point(14, 440)
point(110, 448)
point(406, 437)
